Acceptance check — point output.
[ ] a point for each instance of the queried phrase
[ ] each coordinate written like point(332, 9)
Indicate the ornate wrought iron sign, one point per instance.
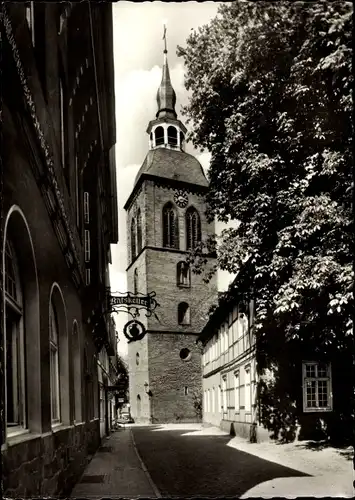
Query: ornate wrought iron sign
point(134, 330)
point(133, 303)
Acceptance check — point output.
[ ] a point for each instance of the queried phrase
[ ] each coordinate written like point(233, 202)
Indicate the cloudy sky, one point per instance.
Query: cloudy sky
point(138, 57)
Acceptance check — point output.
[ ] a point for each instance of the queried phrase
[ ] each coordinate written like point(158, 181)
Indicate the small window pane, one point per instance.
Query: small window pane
point(311, 394)
point(310, 371)
point(323, 393)
point(322, 370)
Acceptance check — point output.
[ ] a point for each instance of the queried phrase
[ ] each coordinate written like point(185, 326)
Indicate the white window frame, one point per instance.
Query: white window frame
point(247, 385)
point(224, 394)
point(86, 208)
point(54, 366)
point(317, 379)
point(87, 276)
point(87, 245)
point(237, 391)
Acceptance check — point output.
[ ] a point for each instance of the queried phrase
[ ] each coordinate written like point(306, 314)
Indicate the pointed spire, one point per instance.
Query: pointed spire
point(166, 97)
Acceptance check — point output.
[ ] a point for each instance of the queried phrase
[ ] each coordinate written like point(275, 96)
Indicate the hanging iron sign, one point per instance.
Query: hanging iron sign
point(133, 303)
point(134, 330)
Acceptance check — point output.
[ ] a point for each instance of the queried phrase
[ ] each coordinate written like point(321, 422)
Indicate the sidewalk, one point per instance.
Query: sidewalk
point(331, 469)
point(116, 471)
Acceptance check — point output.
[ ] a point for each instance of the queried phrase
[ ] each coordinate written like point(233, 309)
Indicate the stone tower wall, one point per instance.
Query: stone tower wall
point(174, 384)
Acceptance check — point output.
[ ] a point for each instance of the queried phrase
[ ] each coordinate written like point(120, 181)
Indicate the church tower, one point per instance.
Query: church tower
point(165, 219)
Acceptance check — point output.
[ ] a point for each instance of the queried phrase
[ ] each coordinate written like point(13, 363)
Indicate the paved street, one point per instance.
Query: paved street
point(185, 463)
point(188, 460)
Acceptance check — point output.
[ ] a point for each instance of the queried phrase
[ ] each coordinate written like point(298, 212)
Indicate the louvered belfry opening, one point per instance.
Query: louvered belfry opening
point(193, 228)
point(170, 227)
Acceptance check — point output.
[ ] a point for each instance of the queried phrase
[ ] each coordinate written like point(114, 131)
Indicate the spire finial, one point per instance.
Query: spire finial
point(164, 38)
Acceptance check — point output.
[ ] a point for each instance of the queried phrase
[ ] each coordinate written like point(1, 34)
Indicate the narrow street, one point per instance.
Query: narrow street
point(184, 463)
point(189, 460)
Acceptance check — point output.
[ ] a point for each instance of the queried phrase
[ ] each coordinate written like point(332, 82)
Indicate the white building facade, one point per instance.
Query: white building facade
point(229, 371)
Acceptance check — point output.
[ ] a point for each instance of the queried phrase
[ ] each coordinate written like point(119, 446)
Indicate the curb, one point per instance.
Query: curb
point(151, 482)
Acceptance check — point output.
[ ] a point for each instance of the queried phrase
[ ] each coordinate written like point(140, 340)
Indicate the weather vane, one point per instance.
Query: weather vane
point(164, 38)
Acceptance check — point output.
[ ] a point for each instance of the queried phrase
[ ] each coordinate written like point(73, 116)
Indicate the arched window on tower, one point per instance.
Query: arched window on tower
point(139, 231)
point(183, 313)
point(133, 238)
point(170, 227)
point(172, 136)
point(193, 228)
point(183, 274)
point(159, 136)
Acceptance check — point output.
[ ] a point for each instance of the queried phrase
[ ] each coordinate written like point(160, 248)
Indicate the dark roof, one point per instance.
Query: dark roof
point(172, 164)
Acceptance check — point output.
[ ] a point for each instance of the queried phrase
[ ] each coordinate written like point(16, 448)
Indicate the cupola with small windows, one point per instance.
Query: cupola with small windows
point(166, 131)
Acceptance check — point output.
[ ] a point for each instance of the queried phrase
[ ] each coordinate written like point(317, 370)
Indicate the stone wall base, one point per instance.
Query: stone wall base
point(48, 465)
point(246, 430)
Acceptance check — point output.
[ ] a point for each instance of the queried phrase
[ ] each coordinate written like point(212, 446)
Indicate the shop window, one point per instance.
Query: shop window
point(316, 386)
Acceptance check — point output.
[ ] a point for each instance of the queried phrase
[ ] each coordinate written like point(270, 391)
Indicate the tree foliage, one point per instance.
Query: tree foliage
point(271, 99)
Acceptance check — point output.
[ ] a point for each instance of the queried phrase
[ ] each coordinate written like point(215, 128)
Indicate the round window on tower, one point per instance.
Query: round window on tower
point(185, 354)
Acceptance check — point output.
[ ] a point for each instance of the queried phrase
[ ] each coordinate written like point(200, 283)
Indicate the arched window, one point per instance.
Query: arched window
point(135, 281)
point(139, 231)
point(137, 358)
point(133, 238)
point(54, 363)
point(15, 346)
point(183, 313)
point(193, 228)
point(183, 274)
point(159, 136)
point(172, 136)
point(170, 227)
